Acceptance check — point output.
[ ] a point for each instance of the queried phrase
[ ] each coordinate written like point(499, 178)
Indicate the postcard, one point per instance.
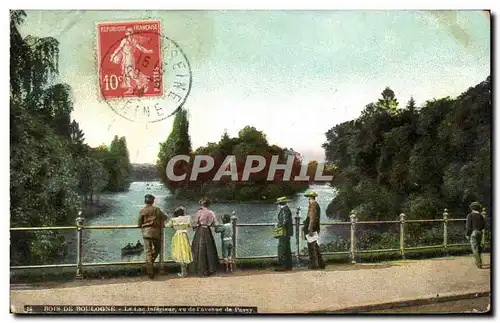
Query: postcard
point(250, 162)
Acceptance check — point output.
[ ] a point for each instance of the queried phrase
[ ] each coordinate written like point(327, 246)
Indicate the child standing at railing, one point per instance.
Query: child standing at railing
point(181, 247)
point(226, 231)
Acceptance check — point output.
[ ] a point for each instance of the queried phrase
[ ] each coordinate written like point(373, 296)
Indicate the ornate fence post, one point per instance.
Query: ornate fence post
point(233, 221)
point(445, 231)
point(297, 234)
point(79, 245)
point(402, 217)
point(483, 239)
point(353, 237)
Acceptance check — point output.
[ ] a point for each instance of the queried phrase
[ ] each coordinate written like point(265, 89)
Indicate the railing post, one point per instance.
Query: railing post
point(233, 221)
point(402, 217)
point(79, 245)
point(353, 238)
point(483, 239)
point(445, 231)
point(297, 234)
point(162, 249)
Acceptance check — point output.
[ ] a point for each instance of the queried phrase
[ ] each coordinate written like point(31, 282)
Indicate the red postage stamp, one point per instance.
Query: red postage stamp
point(130, 59)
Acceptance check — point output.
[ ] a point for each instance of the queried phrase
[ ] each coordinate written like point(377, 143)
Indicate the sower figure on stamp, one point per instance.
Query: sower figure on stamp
point(474, 227)
point(151, 221)
point(283, 232)
point(311, 232)
point(124, 55)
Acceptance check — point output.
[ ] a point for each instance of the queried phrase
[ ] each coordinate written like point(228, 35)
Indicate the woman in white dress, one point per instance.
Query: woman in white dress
point(181, 247)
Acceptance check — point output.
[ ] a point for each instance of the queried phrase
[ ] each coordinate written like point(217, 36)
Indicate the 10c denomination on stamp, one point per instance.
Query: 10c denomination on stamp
point(143, 75)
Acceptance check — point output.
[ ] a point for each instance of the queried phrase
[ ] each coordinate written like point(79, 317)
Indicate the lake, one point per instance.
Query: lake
point(105, 245)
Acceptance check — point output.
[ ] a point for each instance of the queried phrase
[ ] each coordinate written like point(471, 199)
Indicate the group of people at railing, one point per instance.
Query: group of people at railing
point(200, 257)
point(311, 227)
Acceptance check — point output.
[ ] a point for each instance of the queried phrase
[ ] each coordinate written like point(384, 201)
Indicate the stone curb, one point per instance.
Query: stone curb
point(448, 297)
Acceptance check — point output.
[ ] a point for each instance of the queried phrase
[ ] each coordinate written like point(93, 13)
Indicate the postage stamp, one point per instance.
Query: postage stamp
point(316, 162)
point(143, 75)
point(131, 59)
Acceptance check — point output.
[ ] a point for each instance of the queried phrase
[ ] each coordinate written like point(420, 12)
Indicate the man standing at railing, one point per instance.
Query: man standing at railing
point(151, 221)
point(474, 227)
point(311, 232)
point(284, 230)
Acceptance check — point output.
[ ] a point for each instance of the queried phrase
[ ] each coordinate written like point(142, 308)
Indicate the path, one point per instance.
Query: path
point(299, 291)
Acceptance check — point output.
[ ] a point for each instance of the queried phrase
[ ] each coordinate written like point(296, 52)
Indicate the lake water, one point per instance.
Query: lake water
point(105, 245)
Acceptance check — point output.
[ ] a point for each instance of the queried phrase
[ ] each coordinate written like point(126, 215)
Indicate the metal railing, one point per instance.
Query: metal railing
point(80, 227)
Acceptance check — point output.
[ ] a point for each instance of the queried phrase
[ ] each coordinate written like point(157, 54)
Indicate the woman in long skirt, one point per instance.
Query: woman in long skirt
point(205, 258)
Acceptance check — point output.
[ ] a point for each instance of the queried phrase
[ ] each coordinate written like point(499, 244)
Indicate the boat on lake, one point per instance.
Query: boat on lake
point(131, 250)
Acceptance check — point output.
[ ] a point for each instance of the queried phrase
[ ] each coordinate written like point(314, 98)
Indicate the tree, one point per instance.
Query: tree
point(226, 144)
point(411, 106)
point(77, 140)
point(117, 163)
point(43, 187)
point(76, 135)
point(388, 101)
point(177, 143)
point(52, 169)
point(250, 141)
point(417, 161)
point(93, 177)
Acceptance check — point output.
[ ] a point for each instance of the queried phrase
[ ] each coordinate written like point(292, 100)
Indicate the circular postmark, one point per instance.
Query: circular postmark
point(144, 76)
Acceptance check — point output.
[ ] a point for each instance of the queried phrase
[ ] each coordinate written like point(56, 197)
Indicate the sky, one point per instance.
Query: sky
point(291, 74)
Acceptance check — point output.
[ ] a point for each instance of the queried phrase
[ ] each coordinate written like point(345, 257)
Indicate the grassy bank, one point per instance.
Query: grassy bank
point(136, 270)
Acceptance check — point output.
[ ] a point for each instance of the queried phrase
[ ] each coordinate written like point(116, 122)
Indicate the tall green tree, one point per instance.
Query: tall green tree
point(388, 101)
point(177, 143)
point(117, 163)
point(43, 187)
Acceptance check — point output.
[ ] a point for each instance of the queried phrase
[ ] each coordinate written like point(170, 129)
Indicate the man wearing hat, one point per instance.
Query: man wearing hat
point(311, 226)
point(474, 231)
point(151, 221)
point(285, 227)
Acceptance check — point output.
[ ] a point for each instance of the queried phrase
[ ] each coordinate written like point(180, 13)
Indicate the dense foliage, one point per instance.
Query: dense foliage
point(413, 160)
point(53, 172)
point(117, 162)
point(177, 143)
point(144, 172)
point(250, 141)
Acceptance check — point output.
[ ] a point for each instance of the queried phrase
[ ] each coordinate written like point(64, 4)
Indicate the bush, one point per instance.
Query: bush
point(338, 244)
point(371, 239)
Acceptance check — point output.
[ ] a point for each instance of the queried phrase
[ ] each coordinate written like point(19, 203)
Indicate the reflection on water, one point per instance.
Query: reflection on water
point(105, 245)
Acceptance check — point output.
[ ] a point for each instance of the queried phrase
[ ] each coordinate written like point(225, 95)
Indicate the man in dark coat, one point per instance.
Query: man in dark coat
point(285, 223)
point(151, 221)
point(474, 227)
point(311, 227)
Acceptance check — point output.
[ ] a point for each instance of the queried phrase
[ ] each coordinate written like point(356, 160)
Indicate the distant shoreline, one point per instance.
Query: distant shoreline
point(215, 200)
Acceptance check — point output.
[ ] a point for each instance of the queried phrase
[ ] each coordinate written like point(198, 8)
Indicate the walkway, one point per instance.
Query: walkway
point(300, 291)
